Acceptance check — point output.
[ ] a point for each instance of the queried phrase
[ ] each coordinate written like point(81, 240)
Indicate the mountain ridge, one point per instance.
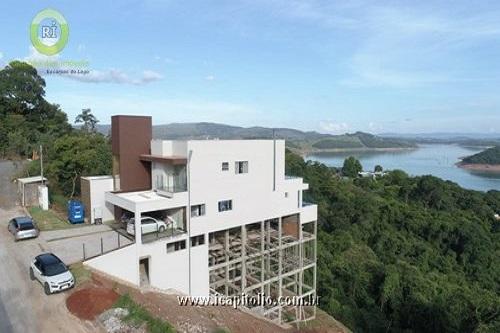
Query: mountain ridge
point(301, 141)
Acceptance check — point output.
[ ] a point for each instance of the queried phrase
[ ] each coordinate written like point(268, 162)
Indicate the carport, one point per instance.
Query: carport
point(149, 203)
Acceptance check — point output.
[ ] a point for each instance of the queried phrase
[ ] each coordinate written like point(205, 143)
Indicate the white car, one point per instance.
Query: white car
point(148, 225)
point(52, 273)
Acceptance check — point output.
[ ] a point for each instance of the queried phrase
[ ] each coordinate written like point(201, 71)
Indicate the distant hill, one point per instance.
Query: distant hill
point(463, 139)
point(296, 140)
point(489, 156)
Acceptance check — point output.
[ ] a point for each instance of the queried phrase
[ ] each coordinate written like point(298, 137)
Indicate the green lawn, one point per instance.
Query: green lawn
point(80, 273)
point(48, 219)
point(139, 315)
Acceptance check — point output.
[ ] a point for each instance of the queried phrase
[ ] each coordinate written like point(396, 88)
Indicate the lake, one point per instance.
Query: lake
point(436, 160)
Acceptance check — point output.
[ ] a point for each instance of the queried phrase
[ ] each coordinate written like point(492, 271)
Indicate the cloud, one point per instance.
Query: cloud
point(164, 59)
point(1, 55)
point(333, 127)
point(209, 77)
point(112, 75)
point(163, 110)
point(396, 45)
point(34, 56)
point(116, 76)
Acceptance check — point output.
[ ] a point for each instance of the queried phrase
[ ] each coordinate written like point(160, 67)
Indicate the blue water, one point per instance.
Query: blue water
point(437, 160)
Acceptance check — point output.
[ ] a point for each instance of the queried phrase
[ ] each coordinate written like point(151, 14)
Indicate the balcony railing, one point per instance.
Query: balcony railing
point(168, 191)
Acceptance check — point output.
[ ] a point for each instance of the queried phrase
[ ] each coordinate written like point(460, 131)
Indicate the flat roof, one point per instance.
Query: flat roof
point(173, 159)
point(140, 196)
point(97, 177)
point(34, 179)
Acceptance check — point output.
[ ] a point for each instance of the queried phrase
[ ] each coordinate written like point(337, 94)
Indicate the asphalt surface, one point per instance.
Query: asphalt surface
point(23, 305)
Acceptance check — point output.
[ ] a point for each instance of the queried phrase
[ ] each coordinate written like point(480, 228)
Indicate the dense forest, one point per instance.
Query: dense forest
point(405, 254)
point(488, 156)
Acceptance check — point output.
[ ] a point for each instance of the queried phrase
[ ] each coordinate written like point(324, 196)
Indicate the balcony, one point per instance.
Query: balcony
point(169, 191)
point(295, 182)
point(308, 212)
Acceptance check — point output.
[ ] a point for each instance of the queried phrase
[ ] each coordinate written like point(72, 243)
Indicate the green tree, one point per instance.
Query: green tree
point(76, 155)
point(352, 167)
point(405, 254)
point(378, 168)
point(26, 118)
point(88, 120)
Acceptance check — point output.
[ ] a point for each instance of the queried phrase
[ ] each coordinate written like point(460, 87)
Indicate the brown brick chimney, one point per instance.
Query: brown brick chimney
point(130, 137)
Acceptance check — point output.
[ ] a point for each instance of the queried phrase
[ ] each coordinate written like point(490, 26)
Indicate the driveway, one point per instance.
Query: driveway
point(68, 244)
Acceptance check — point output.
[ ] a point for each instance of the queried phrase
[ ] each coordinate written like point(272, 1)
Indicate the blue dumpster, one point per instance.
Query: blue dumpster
point(76, 211)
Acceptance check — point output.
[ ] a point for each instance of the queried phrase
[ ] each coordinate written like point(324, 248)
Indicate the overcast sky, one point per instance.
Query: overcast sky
point(330, 66)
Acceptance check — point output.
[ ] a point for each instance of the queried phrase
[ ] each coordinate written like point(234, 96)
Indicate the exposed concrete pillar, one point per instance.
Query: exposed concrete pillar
point(138, 231)
point(280, 266)
point(243, 258)
point(262, 256)
point(226, 255)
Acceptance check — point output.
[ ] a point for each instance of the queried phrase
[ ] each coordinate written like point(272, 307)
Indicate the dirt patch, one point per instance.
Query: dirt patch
point(90, 302)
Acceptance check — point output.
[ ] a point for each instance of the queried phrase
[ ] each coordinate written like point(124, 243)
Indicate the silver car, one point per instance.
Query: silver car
point(23, 227)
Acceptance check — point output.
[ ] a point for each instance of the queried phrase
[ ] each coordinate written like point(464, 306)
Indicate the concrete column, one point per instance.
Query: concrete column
point(226, 255)
point(243, 258)
point(280, 266)
point(138, 242)
point(262, 256)
point(138, 231)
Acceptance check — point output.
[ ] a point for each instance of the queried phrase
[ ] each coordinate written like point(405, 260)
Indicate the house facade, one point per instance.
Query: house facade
point(236, 224)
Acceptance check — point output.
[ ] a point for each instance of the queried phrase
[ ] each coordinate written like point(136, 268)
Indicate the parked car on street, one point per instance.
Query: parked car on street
point(23, 227)
point(51, 272)
point(148, 225)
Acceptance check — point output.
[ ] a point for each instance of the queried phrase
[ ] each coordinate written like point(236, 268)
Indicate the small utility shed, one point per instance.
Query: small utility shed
point(93, 188)
point(28, 189)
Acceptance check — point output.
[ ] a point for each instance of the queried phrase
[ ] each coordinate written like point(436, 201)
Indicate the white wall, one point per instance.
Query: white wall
point(167, 270)
point(252, 193)
point(99, 185)
point(122, 264)
point(200, 281)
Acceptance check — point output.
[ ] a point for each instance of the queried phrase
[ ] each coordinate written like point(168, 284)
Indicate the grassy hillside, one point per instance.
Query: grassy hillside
point(488, 156)
point(405, 254)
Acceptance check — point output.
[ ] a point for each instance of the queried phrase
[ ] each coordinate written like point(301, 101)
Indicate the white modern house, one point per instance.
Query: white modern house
point(240, 224)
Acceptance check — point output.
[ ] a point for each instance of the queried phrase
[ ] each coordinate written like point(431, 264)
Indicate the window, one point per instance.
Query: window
point(225, 205)
point(225, 166)
point(286, 194)
point(159, 181)
point(176, 246)
point(197, 240)
point(198, 210)
point(241, 167)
